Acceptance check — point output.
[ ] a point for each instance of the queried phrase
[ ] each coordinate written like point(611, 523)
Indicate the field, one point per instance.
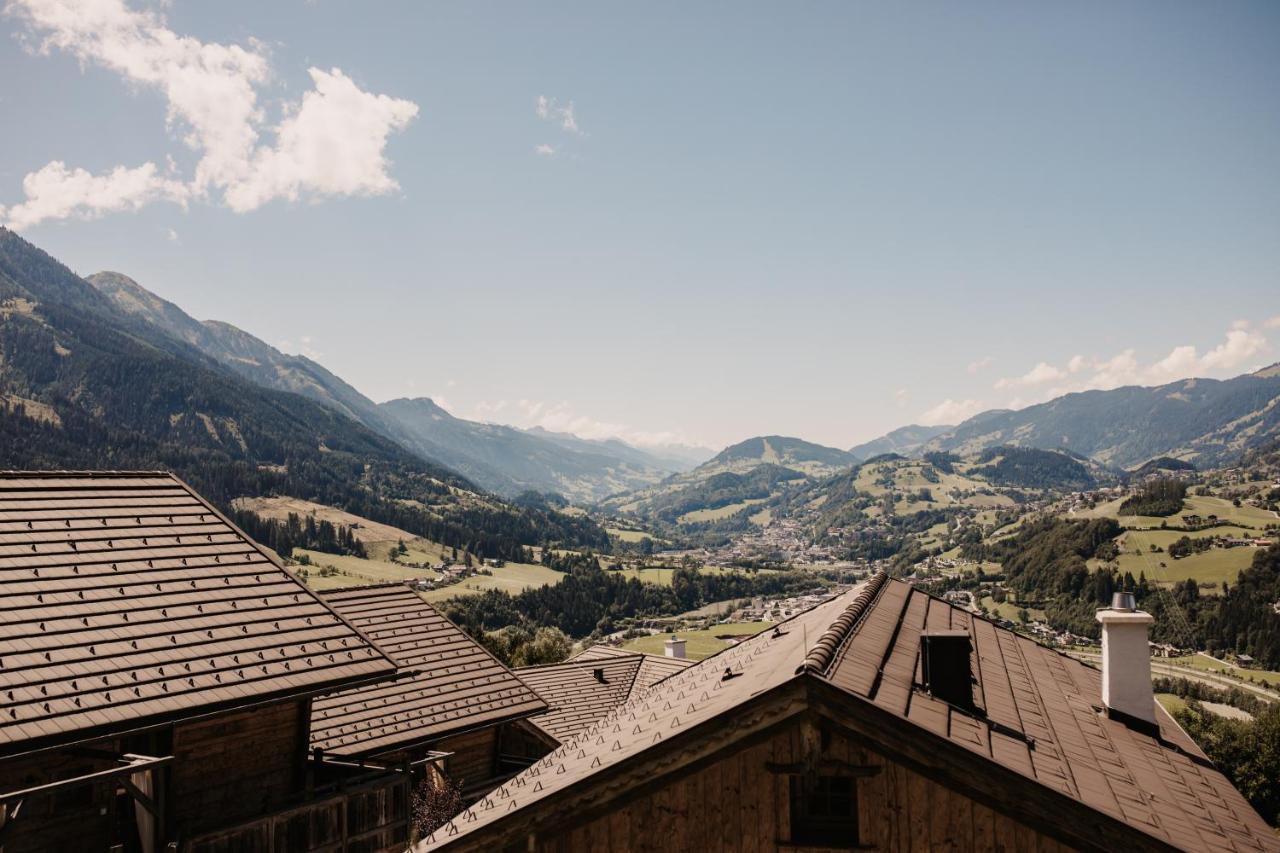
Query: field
point(628, 535)
point(1213, 566)
point(1009, 610)
point(663, 576)
point(1212, 664)
point(511, 578)
point(363, 529)
point(1246, 516)
point(354, 571)
point(700, 515)
point(699, 644)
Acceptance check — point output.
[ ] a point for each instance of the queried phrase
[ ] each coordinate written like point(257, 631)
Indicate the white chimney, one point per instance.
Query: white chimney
point(674, 648)
point(1126, 662)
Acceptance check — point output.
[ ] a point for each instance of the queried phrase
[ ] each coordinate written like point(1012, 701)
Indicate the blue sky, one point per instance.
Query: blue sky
point(725, 219)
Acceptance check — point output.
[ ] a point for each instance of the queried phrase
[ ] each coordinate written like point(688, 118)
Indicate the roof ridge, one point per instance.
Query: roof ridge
point(819, 657)
point(587, 663)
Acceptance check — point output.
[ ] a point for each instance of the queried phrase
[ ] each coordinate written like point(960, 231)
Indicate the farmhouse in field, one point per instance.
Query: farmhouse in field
point(883, 719)
point(453, 704)
point(157, 672)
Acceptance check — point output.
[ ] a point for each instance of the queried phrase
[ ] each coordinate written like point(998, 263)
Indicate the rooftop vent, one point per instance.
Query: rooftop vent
point(674, 648)
point(945, 668)
point(598, 672)
point(1126, 663)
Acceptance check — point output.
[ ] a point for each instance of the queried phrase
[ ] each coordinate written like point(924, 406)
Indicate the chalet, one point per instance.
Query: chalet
point(883, 719)
point(585, 688)
point(1244, 661)
point(453, 704)
point(157, 670)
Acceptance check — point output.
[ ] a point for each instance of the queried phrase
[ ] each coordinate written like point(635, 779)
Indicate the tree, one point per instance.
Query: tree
point(435, 801)
point(549, 645)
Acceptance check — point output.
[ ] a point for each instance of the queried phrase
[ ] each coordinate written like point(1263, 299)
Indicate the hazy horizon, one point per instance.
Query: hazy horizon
point(673, 224)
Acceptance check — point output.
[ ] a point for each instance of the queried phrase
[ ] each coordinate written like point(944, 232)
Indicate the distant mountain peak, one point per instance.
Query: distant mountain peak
point(903, 440)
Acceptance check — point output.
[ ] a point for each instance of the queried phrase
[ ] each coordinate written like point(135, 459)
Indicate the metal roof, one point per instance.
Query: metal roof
point(1039, 713)
point(580, 692)
point(653, 668)
point(448, 682)
point(1041, 720)
point(127, 600)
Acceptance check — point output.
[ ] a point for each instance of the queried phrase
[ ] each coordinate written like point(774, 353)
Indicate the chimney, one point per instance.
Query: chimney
point(1126, 664)
point(598, 672)
point(674, 648)
point(945, 667)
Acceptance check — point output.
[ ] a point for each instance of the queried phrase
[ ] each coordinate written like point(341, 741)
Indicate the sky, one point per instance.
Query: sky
point(673, 222)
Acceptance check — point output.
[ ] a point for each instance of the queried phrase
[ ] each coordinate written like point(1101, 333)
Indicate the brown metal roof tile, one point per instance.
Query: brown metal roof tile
point(448, 682)
point(125, 598)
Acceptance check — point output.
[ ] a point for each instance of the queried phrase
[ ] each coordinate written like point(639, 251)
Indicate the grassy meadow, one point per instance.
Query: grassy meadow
point(698, 644)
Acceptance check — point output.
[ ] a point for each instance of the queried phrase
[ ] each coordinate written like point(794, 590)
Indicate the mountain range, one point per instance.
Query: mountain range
point(905, 440)
point(503, 459)
point(1204, 421)
point(110, 373)
point(87, 384)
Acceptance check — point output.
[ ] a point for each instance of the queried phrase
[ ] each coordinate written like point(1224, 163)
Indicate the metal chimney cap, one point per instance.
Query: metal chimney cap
point(1123, 601)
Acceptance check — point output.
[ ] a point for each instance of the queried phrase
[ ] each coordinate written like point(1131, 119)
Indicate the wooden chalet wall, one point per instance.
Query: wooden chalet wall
point(475, 757)
point(70, 821)
point(235, 766)
point(737, 804)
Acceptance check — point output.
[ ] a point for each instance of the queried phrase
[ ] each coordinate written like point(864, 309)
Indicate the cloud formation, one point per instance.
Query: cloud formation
point(330, 142)
point(950, 412)
point(980, 364)
point(549, 109)
point(1240, 347)
point(559, 417)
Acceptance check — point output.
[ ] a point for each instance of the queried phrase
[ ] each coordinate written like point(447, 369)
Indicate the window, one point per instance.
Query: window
point(824, 810)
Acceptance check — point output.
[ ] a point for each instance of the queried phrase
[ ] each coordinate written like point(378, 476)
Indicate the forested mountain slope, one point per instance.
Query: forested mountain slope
point(85, 385)
point(499, 458)
point(509, 461)
point(1206, 421)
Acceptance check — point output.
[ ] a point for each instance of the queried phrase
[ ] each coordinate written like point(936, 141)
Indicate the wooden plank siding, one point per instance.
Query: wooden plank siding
point(736, 804)
point(236, 766)
point(73, 820)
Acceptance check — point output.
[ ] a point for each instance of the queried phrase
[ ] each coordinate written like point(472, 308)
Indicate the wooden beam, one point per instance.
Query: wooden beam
point(140, 797)
point(122, 770)
point(827, 767)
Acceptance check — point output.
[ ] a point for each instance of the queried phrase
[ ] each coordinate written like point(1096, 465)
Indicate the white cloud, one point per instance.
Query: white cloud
point(330, 142)
point(950, 412)
point(901, 397)
point(545, 150)
point(56, 192)
point(1239, 349)
point(560, 417)
point(1241, 345)
point(1038, 375)
point(304, 347)
point(1272, 323)
point(549, 109)
point(171, 235)
point(980, 364)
